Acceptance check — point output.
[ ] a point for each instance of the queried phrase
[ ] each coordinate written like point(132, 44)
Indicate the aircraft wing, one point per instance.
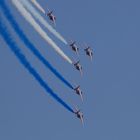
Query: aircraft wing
point(77, 62)
point(77, 87)
point(48, 10)
point(74, 42)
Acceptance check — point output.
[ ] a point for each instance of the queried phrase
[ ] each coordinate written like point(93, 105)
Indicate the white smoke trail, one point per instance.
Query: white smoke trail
point(36, 26)
point(38, 6)
point(37, 15)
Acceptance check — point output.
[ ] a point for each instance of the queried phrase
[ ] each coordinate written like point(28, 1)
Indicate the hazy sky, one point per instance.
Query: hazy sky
point(110, 83)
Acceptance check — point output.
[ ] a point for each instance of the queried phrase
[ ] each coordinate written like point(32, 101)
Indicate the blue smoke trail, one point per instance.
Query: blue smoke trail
point(30, 46)
point(14, 48)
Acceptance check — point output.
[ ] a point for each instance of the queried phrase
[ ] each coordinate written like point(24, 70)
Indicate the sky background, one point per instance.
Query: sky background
point(111, 83)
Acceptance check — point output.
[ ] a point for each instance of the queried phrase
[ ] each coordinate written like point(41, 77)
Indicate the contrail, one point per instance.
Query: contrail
point(37, 27)
point(30, 45)
point(38, 6)
point(37, 15)
point(22, 59)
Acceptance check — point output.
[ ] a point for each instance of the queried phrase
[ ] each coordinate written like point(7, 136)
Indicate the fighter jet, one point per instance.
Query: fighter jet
point(78, 66)
point(74, 46)
point(79, 92)
point(51, 16)
point(79, 115)
point(89, 52)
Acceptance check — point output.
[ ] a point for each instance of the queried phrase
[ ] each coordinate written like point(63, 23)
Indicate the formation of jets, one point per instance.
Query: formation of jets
point(72, 44)
point(88, 51)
